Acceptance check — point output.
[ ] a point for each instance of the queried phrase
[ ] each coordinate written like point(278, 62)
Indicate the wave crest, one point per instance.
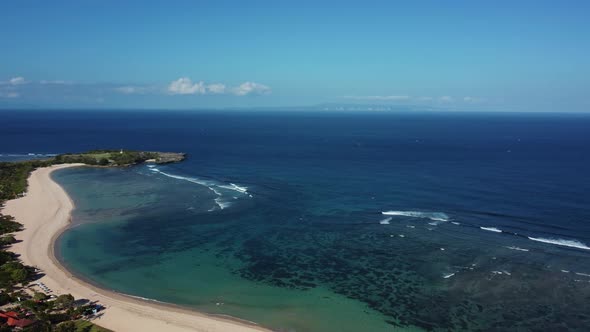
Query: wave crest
point(492, 229)
point(436, 216)
point(385, 221)
point(516, 248)
point(221, 190)
point(562, 242)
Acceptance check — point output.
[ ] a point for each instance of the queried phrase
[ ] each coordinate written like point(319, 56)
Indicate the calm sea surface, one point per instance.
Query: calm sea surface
point(306, 221)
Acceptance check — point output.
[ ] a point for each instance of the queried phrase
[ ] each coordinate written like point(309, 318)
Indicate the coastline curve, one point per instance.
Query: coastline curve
point(45, 213)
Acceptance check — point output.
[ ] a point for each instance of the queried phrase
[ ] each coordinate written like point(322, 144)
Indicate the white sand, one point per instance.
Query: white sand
point(45, 213)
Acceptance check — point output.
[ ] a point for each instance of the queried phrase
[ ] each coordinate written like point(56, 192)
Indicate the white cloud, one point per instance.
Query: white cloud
point(16, 86)
point(247, 88)
point(184, 86)
point(9, 89)
point(9, 94)
point(473, 99)
point(57, 82)
point(425, 98)
point(126, 90)
point(131, 89)
point(216, 88)
point(14, 81)
point(420, 99)
point(391, 98)
point(17, 80)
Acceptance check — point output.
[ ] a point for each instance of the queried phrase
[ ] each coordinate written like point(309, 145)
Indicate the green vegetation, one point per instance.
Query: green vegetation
point(78, 326)
point(6, 240)
point(13, 177)
point(117, 157)
point(8, 225)
point(86, 326)
point(12, 272)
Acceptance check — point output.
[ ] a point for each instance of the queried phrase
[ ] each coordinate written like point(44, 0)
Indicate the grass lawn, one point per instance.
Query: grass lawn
point(86, 326)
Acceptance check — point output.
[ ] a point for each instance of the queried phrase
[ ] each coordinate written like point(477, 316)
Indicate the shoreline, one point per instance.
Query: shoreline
point(45, 213)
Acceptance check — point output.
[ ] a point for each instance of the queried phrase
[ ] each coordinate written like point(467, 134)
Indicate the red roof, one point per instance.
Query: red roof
point(10, 314)
point(13, 320)
point(19, 322)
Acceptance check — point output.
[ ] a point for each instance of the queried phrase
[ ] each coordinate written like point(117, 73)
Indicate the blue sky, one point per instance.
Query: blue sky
point(492, 55)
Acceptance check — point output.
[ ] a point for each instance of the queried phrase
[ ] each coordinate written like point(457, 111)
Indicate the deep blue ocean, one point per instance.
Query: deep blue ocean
point(312, 221)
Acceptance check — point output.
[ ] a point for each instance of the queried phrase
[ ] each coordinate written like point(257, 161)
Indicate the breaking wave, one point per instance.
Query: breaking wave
point(562, 242)
point(235, 187)
point(492, 229)
point(225, 193)
point(142, 298)
point(385, 221)
point(516, 248)
point(436, 216)
point(439, 217)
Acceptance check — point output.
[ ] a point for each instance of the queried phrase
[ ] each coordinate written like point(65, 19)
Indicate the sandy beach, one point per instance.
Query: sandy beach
point(45, 212)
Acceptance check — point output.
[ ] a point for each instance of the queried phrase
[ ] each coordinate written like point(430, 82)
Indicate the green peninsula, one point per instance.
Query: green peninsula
point(118, 157)
point(13, 175)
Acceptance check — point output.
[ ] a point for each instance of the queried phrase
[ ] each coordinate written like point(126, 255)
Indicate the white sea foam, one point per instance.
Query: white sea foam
point(239, 188)
point(215, 191)
point(436, 216)
point(193, 180)
point(562, 242)
point(583, 274)
point(455, 223)
point(491, 229)
point(222, 205)
point(142, 298)
point(217, 188)
point(385, 221)
point(448, 275)
point(235, 187)
point(517, 248)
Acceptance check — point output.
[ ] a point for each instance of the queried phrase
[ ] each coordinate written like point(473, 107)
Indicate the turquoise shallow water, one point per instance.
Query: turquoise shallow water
point(278, 218)
point(175, 257)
